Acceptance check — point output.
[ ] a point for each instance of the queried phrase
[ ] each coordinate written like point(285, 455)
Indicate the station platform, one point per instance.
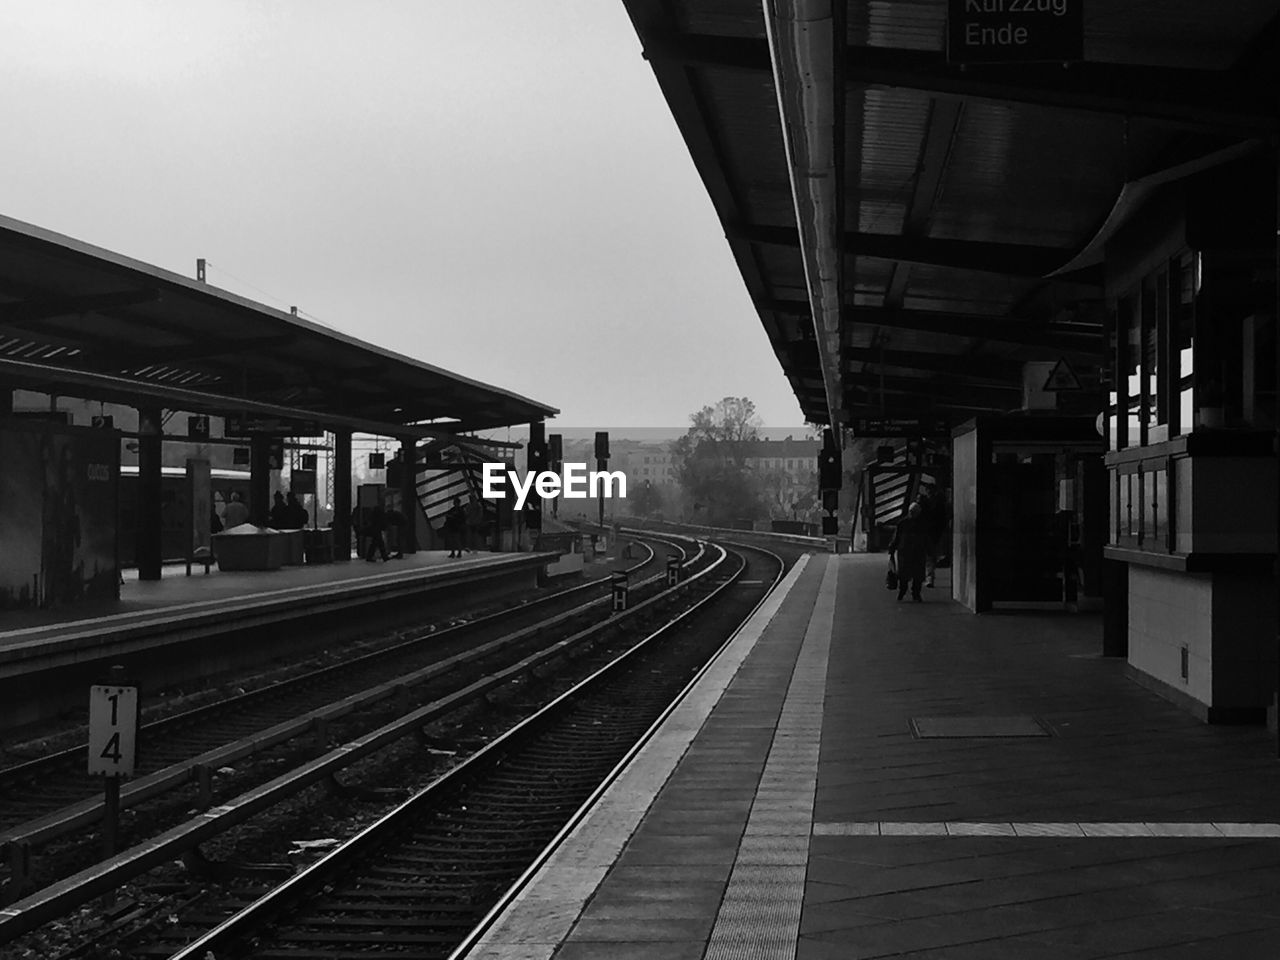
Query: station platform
point(164, 630)
point(857, 777)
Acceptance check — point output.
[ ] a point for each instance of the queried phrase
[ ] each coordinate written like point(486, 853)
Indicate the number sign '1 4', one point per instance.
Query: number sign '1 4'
point(113, 729)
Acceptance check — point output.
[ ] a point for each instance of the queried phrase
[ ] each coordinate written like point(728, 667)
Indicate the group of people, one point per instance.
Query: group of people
point(463, 528)
point(287, 514)
point(913, 552)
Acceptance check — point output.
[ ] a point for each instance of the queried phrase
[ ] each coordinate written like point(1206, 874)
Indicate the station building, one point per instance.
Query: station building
point(135, 403)
point(1045, 237)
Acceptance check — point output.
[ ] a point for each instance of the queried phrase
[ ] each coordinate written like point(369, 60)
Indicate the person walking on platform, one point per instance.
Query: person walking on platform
point(455, 525)
point(930, 508)
point(373, 530)
point(397, 532)
point(236, 512)
point(278, 518)
point(909, 550)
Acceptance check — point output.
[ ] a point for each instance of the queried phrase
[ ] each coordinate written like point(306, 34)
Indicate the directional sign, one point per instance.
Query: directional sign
point(889, 427)
point(1014, 31)
point(1062, 378)
point(302, 481)
point(246, 425)
point(113, 729)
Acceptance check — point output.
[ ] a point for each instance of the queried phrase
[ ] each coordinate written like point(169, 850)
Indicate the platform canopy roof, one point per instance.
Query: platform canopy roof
point(912, 231)
point(82, 321)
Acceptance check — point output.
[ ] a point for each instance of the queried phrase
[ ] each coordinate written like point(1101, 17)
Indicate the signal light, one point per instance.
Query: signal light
point(829, 473)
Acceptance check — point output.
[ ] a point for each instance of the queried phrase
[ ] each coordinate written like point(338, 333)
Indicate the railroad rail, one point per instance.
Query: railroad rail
point(183, 838)
point(423, 878)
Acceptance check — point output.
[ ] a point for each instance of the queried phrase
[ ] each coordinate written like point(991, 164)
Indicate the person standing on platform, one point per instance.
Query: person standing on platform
point(475, 524)
point(909, 550)
point(278, 518)
point(236, 512)
point(297, 515)
point(455, 525)
point(373, 530)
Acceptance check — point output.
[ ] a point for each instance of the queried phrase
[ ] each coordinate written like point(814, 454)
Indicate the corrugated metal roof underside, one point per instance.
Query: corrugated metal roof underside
point(963, 190)
point(100, 313)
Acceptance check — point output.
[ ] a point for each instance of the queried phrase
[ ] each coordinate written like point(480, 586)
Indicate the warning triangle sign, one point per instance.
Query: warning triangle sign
point(1062, 378)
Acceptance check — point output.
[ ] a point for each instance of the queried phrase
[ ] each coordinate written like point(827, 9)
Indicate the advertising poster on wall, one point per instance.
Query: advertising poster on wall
point(21, 516)
point(58, 506)
point(200, 501)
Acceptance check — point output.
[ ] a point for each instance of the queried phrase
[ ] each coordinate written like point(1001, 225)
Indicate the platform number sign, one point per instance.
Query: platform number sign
point(113, 729)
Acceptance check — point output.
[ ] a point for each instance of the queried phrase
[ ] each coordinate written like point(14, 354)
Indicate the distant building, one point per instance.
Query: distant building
point(796, 459)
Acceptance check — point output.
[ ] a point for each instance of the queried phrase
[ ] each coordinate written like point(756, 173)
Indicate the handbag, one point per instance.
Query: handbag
point(891, 577)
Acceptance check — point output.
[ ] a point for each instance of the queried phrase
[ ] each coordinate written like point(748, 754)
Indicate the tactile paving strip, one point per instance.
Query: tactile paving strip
point(576, 869)
point(761, 921)
point(884, 828)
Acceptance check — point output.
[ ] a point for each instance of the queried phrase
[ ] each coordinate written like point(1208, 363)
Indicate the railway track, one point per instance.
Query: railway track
point(419, 879)
point(48, 807)
point(185, 838)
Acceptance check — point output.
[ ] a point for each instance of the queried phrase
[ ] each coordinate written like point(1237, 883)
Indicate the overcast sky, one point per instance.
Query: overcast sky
point(493, 186)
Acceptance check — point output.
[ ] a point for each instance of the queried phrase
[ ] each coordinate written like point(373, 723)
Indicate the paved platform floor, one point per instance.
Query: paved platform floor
point(142, 599)
point(790, 806)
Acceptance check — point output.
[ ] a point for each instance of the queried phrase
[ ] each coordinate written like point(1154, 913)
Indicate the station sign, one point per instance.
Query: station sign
point(1015, 31)
point(113, 729)
point(246, 425)
point(302, 481)
point(900, 427)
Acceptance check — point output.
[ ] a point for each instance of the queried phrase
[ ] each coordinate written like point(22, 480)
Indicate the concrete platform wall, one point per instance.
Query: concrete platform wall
point(1227, 625)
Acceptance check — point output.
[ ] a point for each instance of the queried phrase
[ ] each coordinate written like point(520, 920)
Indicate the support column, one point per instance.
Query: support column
point(1275, 157)
point(148, 548)
point(409, 494)
point(1115, 608)
point(341, 494)
point(259, 479)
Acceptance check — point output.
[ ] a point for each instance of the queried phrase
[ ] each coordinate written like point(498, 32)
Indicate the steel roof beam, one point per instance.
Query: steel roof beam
point(933, 389)
point(935, 151)
point(1073, 338)
point(196, 350)
point(987, 368)
point(99, 386)
point(896, 407)
point(1012, 259)
point(1206, 100)
point(32, 309)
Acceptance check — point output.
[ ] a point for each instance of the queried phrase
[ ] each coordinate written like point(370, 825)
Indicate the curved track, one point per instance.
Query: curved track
point(76, 889)
point(421, 878)
point(48, 807)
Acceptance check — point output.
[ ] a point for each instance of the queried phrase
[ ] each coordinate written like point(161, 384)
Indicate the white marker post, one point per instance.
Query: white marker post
point(113, 740)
